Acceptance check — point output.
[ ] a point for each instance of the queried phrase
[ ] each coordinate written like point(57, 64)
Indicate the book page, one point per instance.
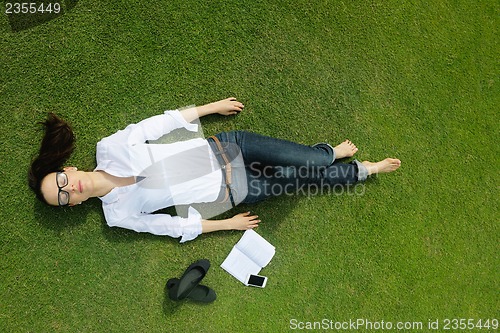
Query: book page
point(256, 248)
point(239, 265)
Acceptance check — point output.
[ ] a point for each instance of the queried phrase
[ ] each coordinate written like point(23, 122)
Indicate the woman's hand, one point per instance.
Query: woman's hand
point(244, 221)
point(229, 106)
point(225, 107)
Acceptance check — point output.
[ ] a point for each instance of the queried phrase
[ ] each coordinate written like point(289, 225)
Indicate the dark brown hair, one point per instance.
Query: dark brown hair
point(57, 145)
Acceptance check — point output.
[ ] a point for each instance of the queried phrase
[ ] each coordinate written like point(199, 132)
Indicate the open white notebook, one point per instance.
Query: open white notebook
point(248, 256)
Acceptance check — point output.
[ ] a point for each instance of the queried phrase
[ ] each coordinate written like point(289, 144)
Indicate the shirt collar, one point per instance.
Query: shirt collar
point(111, 197)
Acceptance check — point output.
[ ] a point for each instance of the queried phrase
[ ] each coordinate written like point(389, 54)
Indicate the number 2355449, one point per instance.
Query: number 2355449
point(32, 8)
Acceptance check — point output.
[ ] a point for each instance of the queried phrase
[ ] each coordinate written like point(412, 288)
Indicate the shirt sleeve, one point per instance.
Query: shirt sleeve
point(164, 225)
point(151, 128)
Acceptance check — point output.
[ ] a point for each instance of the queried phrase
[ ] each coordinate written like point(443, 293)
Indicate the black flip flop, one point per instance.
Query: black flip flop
point(179, 289)
point(200, 293)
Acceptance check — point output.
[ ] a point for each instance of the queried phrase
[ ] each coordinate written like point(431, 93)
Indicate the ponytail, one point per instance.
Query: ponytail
point(57, 146)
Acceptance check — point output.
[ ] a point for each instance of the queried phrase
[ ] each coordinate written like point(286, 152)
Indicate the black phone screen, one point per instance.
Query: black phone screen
point(256, 280)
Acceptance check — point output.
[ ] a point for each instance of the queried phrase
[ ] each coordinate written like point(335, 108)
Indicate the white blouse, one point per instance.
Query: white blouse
point(179, 173)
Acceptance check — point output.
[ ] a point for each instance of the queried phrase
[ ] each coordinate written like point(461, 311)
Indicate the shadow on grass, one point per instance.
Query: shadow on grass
point(170, 307)
point(22, 18)
point(58, 219)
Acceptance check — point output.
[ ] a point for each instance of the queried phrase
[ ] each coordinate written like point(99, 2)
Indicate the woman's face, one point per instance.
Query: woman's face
point(70, 187)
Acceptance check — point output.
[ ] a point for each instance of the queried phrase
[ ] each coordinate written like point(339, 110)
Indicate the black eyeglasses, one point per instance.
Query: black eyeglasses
point(62, 181)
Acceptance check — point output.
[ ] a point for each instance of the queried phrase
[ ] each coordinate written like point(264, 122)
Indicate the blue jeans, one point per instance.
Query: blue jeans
point(275, 167)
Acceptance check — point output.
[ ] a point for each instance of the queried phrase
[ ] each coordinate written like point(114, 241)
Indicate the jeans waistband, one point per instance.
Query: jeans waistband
point(225, 194)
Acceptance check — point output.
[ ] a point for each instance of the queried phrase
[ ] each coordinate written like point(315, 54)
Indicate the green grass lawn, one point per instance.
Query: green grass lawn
point(417, 80)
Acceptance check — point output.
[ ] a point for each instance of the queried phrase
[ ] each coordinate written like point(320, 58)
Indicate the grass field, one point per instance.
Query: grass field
point(416, 80)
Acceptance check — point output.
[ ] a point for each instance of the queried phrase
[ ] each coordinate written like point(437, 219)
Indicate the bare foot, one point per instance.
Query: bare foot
point(345, 149)
point(384, 166)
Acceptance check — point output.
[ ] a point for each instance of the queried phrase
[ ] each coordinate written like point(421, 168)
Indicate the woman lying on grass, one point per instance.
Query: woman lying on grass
point(135, 178)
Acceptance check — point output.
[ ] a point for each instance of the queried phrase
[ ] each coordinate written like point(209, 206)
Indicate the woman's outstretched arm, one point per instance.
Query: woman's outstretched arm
point(243, 221)
point(226, 107)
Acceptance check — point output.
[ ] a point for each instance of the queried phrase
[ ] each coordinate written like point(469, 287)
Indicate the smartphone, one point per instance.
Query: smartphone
point(256, 281)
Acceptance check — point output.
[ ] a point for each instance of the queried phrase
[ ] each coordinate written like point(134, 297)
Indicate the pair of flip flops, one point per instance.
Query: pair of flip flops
point(189, 287)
